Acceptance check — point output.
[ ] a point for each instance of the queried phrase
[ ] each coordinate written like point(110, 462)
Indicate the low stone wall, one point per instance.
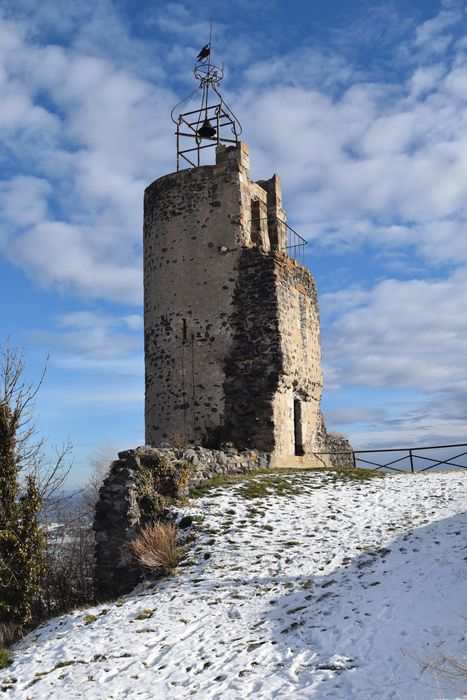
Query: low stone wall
point(124, 504)
point(120, 511)
point(339, 451)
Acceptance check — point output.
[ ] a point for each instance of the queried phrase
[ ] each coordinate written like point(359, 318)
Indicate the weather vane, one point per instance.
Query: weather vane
point(210, 124)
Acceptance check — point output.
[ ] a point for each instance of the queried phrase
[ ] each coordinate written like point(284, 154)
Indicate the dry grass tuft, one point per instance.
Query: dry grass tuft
point(447, 671)
point(451, 670)
point(156, 549)
point(10, 632)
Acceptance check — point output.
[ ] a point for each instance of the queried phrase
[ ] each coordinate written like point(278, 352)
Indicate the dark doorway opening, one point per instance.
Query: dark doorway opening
point(297, 423)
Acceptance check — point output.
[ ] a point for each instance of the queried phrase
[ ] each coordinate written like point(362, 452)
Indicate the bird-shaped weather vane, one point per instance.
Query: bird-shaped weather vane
point(212, 123)
point(204, 53)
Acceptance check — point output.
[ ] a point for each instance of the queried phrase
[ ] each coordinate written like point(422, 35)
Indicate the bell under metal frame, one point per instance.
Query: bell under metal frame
point(212, 123)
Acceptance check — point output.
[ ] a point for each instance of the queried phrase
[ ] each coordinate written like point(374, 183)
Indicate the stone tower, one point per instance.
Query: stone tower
point(232, 346)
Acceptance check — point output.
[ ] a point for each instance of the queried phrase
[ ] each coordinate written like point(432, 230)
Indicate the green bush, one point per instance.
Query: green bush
point(21, 537)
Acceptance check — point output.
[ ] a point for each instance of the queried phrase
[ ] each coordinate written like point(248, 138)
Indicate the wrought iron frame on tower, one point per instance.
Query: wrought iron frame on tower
point(211, 124)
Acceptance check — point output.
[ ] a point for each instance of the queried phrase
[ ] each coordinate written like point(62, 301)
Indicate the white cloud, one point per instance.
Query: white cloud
point(85, 261)
point(13, 195)
point(134, 322)
point(114, 398)
point(344, 416)
point(369, 155)
point(90, 340)
point(426, 79)
point(372, 161)
point(177, 20)
point(104, 135)
point(399, 334)
point(432, 33)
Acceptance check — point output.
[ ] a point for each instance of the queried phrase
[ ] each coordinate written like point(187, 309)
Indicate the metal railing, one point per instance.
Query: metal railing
point(294, 242)
point(295, 245)
point(409, 459)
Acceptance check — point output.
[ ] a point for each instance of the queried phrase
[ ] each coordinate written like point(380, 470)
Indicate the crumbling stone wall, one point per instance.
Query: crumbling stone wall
point(301, 379)
point(254, 364)
point(232, 343)
point(337, 452)
point(120, 511)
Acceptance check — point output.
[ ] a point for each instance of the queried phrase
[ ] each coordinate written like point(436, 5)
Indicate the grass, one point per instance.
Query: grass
point(144, 614)
point(273, 485)
point(5, 658)
point(278, 482)
point(89, 619)
point(156, 549)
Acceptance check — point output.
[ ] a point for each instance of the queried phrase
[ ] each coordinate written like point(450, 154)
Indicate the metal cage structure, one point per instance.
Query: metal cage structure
point(212, 124)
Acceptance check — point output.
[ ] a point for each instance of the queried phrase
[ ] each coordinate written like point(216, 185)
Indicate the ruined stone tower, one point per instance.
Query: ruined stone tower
point(232, 348)
point(231, 320)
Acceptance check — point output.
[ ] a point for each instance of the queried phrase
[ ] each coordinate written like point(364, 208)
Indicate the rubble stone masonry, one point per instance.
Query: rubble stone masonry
point(232, 348)
point(231, 321)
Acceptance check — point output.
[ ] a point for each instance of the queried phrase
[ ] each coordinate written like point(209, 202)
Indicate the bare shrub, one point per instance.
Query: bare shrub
point(156, 549)
point(69, 554)
point(100, 461)
point(19, 395)
point(10, 632)
point(178, 440)
point(70, 546)
point(449, 670)
point(337, 436)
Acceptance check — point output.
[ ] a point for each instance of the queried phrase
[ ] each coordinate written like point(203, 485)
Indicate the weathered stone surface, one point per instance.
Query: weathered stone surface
point(232, 347)
point(118, 517)
point(232, 343)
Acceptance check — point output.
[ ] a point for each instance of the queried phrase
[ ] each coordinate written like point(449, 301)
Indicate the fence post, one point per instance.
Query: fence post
point(411, 461)
point(354, 460)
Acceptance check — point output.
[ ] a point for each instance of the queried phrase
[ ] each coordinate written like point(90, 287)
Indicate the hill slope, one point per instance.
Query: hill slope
point(304, 585)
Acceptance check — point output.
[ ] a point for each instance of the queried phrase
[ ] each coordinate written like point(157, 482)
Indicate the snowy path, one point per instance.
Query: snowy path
point(323, 587)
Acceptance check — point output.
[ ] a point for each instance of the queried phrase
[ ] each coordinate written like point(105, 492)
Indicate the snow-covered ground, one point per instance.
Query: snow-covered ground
point(304, 585)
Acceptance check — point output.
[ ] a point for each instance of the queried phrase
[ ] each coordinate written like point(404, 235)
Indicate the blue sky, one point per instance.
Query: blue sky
point(359, 107)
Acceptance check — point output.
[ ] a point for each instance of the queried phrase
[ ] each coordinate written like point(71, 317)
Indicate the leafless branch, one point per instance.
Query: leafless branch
point(19, 394)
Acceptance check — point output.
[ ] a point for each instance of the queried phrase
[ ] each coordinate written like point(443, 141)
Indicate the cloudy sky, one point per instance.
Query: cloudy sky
point(360, 107)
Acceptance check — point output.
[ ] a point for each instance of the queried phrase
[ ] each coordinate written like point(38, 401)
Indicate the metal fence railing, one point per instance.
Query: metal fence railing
point(292, 242)
point(408, 459)
point(295, 245)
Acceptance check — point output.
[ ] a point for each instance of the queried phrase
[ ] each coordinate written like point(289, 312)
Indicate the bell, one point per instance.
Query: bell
point(207, 131)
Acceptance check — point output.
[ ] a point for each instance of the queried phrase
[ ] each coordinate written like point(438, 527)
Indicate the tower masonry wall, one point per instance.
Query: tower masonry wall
point(232, 349)
point(231, 321)
point(301, 378)
point(194, 229)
